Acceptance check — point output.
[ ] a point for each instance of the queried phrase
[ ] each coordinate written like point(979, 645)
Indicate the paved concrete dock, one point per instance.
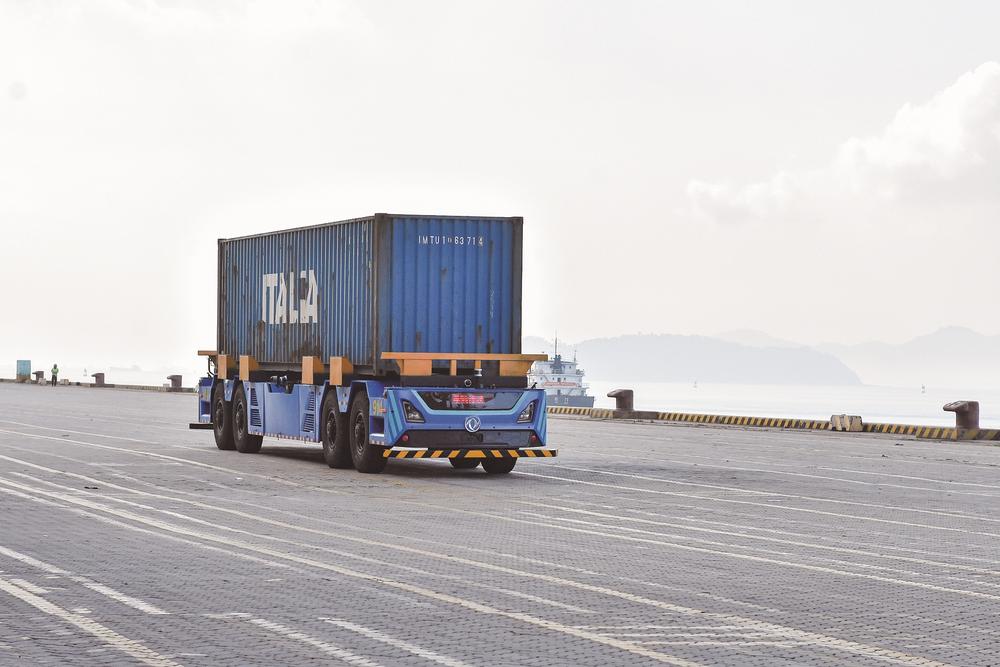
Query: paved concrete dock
point(127, 539)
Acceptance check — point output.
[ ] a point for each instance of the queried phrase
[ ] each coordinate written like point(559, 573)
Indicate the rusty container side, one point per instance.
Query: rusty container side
point(302, 292)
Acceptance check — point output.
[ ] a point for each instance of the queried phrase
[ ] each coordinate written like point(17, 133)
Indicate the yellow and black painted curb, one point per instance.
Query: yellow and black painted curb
point(735, 420)
point(911, 430)
point(934, 432)
point(694, 418)
point(596, 413)
point(469, 453)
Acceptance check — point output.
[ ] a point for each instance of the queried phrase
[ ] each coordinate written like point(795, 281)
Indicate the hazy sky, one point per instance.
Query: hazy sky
point(821, 173)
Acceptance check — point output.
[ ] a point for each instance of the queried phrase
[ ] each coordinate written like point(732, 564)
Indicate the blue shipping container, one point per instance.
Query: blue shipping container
point(385, 283)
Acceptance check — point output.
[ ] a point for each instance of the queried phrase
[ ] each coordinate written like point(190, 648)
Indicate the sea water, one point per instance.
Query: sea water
point(903, 405)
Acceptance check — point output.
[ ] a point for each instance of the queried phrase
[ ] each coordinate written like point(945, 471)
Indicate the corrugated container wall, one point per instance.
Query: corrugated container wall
point(361, 287)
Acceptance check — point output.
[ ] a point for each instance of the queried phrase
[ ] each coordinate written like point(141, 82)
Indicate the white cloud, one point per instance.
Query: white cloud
point(943, 151)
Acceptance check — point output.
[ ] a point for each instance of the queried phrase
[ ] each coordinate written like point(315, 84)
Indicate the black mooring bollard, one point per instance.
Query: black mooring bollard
point(623, 399)
point(966, 413)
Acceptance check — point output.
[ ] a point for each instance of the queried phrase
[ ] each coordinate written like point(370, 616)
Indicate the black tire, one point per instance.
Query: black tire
point(366, 456)
point(246, 443)
point(336, 447)
point(222, 418)
point(498, 466)
point(464, 464)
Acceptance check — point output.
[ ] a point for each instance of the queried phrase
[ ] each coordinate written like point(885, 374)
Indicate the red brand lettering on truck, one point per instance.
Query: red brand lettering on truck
point(473, 400)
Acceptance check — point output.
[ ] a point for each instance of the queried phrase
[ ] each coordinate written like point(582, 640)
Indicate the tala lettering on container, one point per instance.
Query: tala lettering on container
point(279, 305)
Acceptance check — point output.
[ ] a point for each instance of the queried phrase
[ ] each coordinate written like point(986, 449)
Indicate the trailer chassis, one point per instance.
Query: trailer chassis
point(364, 422)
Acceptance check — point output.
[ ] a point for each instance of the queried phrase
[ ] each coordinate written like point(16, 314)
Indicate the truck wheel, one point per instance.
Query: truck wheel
point(498, 466)
point(367, 457)
point(336, 448)
point(246, 443)
point(464, 464)
point(222, 419)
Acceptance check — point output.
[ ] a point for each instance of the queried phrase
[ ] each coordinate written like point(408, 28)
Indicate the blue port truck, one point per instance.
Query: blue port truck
point(382, 337)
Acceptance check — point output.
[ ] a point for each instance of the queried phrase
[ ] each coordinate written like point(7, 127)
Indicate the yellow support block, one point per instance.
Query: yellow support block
point(422, 363)
point(248, 365)
point(311, 367)
point(222, 366)
point(339, 367)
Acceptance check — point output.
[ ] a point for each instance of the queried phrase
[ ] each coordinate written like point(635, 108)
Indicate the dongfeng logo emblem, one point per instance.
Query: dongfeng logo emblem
point(472, 424)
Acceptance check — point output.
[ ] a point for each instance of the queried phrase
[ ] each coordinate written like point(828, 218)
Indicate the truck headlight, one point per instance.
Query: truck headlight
point(411, 413)
point(527, 414)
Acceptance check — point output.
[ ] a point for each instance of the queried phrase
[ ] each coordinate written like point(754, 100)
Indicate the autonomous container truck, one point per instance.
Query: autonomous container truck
point(389, 336)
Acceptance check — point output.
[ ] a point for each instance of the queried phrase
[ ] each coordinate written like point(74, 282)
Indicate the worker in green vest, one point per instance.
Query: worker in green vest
point(55, 374)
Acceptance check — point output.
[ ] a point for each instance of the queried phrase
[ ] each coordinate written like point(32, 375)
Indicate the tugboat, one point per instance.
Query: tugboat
point(562, 381)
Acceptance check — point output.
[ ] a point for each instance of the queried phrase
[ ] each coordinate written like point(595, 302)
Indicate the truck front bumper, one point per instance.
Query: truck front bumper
point(455, 439)
point(435, 453)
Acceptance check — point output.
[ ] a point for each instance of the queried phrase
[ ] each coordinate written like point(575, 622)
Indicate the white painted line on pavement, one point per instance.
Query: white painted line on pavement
point(127, 600)
point(128, 646)
point(398, 643)
point(66, 430)
point(809, 465)
point(355, 574)
point(797, 543)
point(787, 508)
point(28, 586)
point(820, 559)
point(107, 591)
point(741, 556)
point(318, 644)
point(775, 494)
point(257, 518)
point(144, 531)
point(845, 480)
point(662, 627)
point(134, 452)
point(817, 639)
point(744, 635)
point(783, 644)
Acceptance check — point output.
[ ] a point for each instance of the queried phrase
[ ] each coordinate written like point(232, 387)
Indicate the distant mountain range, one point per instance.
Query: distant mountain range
point(949, 357)
point(671, 358)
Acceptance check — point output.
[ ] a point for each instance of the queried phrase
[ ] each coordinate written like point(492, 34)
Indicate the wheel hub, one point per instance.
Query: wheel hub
point(331, 428)
point(240, 419)
point(359, 434)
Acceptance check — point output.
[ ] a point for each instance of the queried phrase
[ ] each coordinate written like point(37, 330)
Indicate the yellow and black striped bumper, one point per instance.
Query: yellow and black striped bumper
point(469, 453)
